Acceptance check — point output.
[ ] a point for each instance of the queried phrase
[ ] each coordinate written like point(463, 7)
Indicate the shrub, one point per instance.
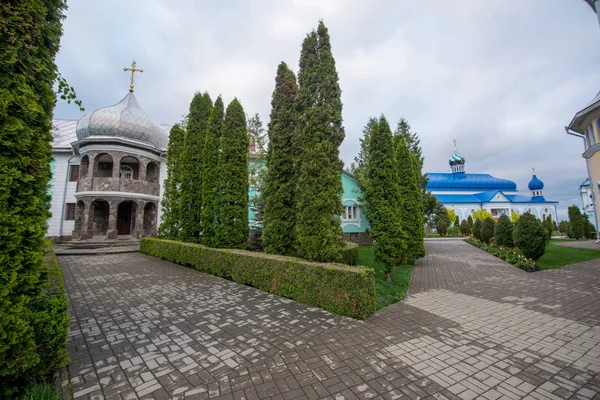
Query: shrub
point(509, 255)
point(465, 228)
point(530, 236)
point(589, 231)
point(548, 227)
point(442, 227)
point(49, 318)
point(470, 221)
point(350, 253)
point(477, 229)
point(563, 227)
point(337, 288)
point(503, 232)
point(487, 230)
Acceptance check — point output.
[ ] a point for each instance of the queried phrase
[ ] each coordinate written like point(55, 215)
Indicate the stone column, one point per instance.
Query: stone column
point(139, 218)
point(88, 211)
point(112, 232)
point(142, 172)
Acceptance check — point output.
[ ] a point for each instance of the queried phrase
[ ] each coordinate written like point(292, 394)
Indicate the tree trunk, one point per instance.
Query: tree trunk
point(388, 277)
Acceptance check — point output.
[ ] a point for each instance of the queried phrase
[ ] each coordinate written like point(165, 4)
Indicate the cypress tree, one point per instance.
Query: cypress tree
point(359, 165)
point(465, 228)
point(549, 227)
point(529, 236)
point(280, 214)
point(383, 201)
point(31, 34)
point(470, 221)
point(170, 224)
point(411, 207)
point(503, 231)
point(231, 201)
point(191, 185)
point(319, 186)
point(487, 230)
point(575, 223)
point(477, 229)
point(210, 171)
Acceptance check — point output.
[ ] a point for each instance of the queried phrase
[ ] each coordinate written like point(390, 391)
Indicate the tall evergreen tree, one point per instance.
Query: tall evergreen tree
point(359, 165)
point(31, 34)
point(411, 208)
point(210, 167)
point(170, 224)
point(257, 134)
point(231, 202)
point(575, 223)
point(280, 214)
point(319, 187)
point(191, 184)
point(383, 199)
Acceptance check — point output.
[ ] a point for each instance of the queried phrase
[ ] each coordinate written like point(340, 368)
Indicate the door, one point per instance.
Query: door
point(124, 218)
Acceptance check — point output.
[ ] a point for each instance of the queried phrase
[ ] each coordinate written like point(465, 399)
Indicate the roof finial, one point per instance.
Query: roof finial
point(454, 144)
point(133, 70)
point(533, 171)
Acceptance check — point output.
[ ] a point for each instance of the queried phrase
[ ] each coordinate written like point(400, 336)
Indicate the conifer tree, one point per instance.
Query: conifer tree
point(231, 201)
point(31, 34)
point(549, 227)
point(411, 208)
point(465, 228)
point(470, 221)
point(319, 187)
point(170, 224)
point(575, 223)
point(280, 214)
point(359, 165)
point(191, 184)
point(383, 200)
point(487, 230)
point(503, 231)
point(257, 134)
point(529, 236)
point(210, 167)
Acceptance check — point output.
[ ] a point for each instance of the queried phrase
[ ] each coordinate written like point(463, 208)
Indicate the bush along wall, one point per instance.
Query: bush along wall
point(510, 255)
point(337, 288)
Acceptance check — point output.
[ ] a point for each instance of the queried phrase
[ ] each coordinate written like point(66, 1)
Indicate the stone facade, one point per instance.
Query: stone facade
point(130, 205)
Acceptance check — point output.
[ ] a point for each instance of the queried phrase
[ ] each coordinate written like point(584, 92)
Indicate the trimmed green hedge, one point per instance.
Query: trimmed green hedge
point(350, 253)
point(49, 317)
point(337, 288)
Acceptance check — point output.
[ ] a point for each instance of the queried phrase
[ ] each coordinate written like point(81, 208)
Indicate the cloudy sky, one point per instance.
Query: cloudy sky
point(503, 77)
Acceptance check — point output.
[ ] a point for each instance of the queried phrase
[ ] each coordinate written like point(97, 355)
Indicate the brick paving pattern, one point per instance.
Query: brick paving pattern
point(471, 327)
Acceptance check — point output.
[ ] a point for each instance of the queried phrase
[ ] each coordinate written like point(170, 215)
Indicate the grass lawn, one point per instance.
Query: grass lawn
point(558, 256)
point(385, 293)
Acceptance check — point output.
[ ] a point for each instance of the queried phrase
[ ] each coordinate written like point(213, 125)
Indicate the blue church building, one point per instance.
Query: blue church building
point(465, 193)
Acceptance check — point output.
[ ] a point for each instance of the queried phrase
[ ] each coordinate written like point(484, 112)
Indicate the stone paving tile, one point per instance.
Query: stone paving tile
point(471, 327)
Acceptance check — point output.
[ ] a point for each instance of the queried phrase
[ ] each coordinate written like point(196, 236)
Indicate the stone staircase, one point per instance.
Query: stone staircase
point(98, 245)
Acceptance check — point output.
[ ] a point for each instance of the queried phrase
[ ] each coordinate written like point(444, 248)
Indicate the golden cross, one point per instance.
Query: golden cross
point(454, 144)
point(133, 70)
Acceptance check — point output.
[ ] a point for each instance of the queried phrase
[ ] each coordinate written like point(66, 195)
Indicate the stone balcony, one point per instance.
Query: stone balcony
point(110, 184)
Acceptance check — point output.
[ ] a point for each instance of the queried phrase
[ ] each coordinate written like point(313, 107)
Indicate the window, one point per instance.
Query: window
point(351, 213)
point(73, 173)
point(70, 214)
point(591, 135)
point(126, 172)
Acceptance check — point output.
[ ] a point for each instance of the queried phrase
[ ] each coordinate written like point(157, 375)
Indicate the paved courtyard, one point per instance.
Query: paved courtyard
point(472, 326)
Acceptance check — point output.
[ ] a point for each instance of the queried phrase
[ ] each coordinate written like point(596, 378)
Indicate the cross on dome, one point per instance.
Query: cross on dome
point(133, 70)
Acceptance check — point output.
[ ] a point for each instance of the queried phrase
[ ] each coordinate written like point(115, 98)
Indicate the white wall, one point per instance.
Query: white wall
point(59, 197)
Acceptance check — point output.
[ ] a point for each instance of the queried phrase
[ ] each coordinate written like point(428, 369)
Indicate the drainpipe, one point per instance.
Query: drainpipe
point(587, 164)
point(62, 214)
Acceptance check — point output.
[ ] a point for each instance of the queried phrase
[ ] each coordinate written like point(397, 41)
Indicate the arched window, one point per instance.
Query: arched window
point(126, 172)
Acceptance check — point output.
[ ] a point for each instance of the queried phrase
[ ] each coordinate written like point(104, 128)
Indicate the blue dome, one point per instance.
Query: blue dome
point(456, 159)
point(439, 181)
point(535, 184)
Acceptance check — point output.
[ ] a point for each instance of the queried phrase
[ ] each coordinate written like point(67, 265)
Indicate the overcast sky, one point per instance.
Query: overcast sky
point(503, 77)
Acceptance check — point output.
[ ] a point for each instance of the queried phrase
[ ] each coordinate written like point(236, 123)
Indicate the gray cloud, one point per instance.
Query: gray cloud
point(501, 76)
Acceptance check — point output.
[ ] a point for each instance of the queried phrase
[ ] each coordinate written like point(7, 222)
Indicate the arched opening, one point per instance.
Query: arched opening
point(79, 211)
point(150, 219)
point(126, 217)
point(129, 168)
point(98, 219)
point(84, 166)
point(152, 172)
point(103, 166)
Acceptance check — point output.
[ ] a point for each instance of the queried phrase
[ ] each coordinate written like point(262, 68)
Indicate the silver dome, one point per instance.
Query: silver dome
point(126, 120)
